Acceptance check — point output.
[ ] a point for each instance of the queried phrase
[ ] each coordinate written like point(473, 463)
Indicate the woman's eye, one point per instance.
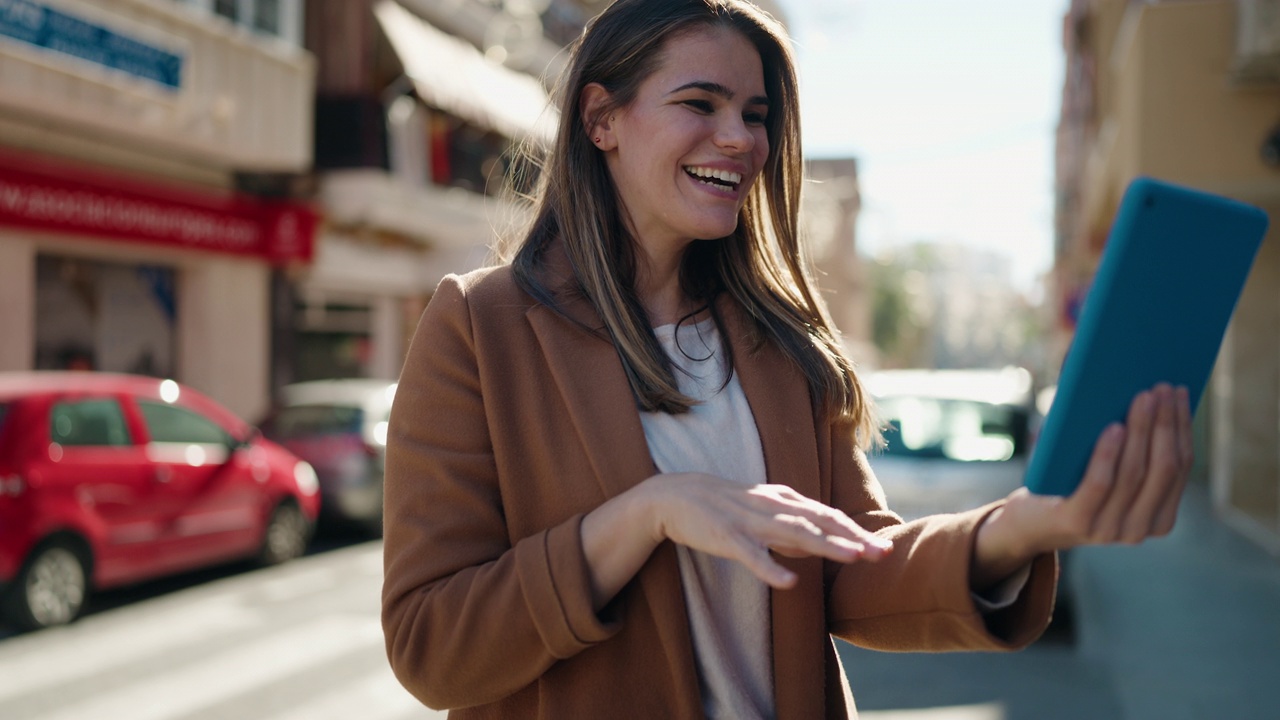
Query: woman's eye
point(754, 118)
point(700, 105)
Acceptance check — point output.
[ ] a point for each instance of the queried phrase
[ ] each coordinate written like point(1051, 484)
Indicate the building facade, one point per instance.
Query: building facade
point(1184, 92)
point(421, 106)
point(149, 158)
point(830, 203)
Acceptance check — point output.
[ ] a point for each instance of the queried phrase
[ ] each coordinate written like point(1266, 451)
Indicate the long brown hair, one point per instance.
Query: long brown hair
point(761, 264)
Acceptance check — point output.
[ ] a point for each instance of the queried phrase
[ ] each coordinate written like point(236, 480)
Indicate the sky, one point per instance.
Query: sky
point(949, 107)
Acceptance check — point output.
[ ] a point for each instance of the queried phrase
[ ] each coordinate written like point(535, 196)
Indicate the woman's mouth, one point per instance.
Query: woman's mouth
point(720, 179)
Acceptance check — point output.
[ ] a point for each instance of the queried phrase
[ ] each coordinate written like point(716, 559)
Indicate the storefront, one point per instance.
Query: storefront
point(108, 271)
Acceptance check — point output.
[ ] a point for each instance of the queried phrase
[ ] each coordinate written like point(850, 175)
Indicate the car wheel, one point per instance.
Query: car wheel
point(286, 537)
point(51, 589)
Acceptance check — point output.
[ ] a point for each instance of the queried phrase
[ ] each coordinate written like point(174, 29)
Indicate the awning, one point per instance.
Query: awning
point(453, 75)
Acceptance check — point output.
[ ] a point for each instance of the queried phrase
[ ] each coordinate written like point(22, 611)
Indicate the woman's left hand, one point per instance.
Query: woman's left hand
point(1130, 492)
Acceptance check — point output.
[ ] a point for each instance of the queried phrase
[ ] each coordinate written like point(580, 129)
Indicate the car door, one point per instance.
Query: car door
point(96, 470)
point(215, 502)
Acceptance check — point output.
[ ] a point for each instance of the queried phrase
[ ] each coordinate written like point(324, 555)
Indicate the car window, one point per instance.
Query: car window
point(298, 421)
point(173, 424)
point(966, 430)
point(88, 422)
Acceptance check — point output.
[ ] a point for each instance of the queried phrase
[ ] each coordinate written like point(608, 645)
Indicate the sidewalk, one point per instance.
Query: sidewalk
point(1188, 625)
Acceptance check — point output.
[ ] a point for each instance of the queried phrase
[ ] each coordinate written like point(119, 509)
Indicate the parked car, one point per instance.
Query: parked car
point(340, 427)
point(956, 439)
point(107, 480)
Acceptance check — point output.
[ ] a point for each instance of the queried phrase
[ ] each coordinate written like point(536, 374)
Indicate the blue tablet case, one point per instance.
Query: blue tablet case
point(1172, 270)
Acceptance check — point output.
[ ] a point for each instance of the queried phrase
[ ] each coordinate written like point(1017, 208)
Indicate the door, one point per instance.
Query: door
point(216, 506)
point(96, 476)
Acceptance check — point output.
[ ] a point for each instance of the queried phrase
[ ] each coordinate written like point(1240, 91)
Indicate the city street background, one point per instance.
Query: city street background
point(243, 196)
point(1180, 628)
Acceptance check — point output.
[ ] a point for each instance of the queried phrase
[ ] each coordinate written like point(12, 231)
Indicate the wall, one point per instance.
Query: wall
point(17, 301)
point(224, 332)
point(1171, 109)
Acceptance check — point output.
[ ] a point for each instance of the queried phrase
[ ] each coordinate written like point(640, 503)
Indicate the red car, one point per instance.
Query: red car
point(108, 479)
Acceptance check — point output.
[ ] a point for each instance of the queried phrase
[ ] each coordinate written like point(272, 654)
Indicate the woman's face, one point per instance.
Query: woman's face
point(685, 152)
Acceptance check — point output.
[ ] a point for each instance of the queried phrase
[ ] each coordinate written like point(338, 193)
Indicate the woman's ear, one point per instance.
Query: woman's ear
point(599, 127)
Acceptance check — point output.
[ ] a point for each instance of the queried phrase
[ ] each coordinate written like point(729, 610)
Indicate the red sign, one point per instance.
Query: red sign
point(43, 195)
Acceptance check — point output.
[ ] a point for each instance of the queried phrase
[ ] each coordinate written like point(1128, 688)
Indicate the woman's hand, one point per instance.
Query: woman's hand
point(744, 523)
point(719, 517)
point(1130, 492)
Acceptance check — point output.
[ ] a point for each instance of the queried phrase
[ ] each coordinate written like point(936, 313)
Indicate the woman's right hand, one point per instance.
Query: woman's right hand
point(718, 517)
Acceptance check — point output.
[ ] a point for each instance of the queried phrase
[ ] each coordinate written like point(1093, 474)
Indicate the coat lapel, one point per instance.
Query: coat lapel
point(601, 407)
point(603, 412)
point(779, 399)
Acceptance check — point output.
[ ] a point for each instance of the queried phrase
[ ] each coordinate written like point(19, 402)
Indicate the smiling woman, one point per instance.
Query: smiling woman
point(624, 471)
point(704, 142)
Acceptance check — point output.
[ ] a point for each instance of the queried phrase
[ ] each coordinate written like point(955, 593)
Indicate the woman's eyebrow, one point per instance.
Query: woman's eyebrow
point(716, 88)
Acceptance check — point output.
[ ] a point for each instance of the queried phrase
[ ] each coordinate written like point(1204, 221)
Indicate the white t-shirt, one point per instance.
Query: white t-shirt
point(728, 606)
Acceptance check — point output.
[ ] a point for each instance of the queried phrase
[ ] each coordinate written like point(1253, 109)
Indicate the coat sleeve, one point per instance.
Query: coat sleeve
point(468, 615)
point(918, 598)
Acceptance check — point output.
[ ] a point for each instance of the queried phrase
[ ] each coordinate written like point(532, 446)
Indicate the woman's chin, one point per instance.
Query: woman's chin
point(716, 230)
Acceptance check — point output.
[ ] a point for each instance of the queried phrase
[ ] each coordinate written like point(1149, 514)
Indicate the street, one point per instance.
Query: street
point(296, 642)
point(1048, 681)
point(302, 641)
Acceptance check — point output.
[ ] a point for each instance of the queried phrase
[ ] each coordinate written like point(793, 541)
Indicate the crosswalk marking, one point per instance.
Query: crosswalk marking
point(254, 665)
point(299, 585)
point(60, 657)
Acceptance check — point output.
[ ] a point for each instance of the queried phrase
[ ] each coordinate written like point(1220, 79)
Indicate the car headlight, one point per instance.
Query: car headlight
point(305, 476)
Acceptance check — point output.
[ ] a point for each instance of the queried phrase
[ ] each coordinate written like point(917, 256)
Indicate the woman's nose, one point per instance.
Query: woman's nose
point(733, 134)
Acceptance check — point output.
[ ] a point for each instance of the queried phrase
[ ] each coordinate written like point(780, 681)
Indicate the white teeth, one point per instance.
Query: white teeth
point(726, 176)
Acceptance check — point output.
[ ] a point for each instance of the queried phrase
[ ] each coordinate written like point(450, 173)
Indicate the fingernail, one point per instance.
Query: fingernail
point(881, 543)
point(1114, 433)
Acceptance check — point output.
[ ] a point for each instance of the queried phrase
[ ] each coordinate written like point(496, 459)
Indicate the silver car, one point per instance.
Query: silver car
point(955, 439)
point(340, 428)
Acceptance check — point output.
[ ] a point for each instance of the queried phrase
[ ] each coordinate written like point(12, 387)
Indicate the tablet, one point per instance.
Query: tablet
point(1169, 278)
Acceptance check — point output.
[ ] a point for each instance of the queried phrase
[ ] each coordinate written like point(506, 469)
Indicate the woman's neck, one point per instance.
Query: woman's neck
point(658, 286)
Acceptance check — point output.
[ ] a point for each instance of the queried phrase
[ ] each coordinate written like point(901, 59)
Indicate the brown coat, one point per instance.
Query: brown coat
point(510, 423)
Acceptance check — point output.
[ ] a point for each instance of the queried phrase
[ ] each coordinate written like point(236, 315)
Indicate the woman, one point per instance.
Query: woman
point(625, 473)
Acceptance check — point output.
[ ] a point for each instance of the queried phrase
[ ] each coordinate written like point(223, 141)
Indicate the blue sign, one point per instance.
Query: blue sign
point(53, 29)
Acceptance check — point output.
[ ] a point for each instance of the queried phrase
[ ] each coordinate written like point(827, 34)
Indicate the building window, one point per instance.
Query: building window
point(281, 18)
point(266, 16)
point(227, 8)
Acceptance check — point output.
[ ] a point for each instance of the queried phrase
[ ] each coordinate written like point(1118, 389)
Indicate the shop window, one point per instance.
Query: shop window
point(330, 355)
point(334, 338)
point(88, 423)
point(115, 317)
